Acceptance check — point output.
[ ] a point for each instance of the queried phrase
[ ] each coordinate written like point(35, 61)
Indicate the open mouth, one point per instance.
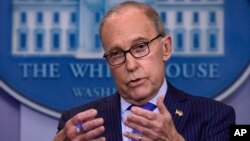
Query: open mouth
point(136, 82)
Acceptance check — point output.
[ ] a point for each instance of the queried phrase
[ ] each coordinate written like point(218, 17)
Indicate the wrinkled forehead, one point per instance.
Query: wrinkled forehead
point(127, 20)
point(124, 16)
point(125, 10)
point(124, 29)
point(120, 10)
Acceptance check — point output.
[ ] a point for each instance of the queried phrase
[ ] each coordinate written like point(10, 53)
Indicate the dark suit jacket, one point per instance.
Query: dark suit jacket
point(203, 119)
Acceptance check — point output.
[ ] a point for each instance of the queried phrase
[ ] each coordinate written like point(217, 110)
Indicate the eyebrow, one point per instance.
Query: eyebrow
point(133, 42)
point(113, 49)
point(139, 39)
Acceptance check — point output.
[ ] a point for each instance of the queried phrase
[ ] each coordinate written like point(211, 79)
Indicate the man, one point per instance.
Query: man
point(137, 48)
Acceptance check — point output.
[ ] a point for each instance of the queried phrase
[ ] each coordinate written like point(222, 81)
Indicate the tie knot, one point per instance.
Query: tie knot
point(147, 106)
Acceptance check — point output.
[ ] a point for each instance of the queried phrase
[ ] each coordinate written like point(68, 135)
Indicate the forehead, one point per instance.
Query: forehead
point(125, 26)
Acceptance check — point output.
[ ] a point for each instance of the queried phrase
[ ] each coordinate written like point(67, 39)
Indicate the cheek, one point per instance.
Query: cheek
point(155, 66)
point(118, 74)
point(156, 70)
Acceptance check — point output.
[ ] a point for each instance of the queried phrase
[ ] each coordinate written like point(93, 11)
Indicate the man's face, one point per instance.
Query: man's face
point(137, 79)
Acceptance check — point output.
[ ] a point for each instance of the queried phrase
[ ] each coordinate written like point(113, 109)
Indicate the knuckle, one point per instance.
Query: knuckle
point(77, 117)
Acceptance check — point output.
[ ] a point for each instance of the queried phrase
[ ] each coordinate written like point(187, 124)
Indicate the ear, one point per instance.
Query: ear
point(166, 47)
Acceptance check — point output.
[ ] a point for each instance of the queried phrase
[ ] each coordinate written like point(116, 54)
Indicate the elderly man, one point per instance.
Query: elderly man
point(146, 106)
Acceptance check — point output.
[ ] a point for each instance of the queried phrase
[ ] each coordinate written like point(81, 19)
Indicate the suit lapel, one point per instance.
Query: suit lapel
point(112, 117)
point(176, 103)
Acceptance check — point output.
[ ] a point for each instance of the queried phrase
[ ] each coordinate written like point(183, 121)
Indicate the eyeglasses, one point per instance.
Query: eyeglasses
point(140, 50)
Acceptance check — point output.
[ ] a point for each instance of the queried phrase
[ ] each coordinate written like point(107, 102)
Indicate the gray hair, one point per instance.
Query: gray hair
point(151, 13)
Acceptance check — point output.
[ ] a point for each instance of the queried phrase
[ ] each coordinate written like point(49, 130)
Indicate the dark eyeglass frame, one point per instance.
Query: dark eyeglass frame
point(106, 55)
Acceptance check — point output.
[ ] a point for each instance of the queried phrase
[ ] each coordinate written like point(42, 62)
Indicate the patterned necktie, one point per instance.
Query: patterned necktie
point(148, 106)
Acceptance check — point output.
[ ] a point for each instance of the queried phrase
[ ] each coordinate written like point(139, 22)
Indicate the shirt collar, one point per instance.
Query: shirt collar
point(162, 91)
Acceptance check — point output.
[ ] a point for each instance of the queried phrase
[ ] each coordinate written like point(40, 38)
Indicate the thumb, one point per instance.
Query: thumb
point(161, 106)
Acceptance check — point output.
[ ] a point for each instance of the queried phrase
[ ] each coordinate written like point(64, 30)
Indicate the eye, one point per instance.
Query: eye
point(139, 48)
point(115, 54)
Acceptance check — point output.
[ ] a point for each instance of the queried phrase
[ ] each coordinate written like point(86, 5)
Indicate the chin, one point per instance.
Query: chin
point(139, 95)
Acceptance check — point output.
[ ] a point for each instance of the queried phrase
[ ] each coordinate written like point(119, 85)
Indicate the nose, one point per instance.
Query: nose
point(131, 63)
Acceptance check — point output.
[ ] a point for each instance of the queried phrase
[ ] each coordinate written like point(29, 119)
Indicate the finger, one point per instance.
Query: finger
point(138, 120)
point(133, 136)
point(166, 114)
point(143, 125)
point(161, 106)
point(131, 122)
point(100, 139)
point(70, 126)
point(143, 112)
point(91, 124)
point(84, 116)
point(91, 135)
point(147, 132)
